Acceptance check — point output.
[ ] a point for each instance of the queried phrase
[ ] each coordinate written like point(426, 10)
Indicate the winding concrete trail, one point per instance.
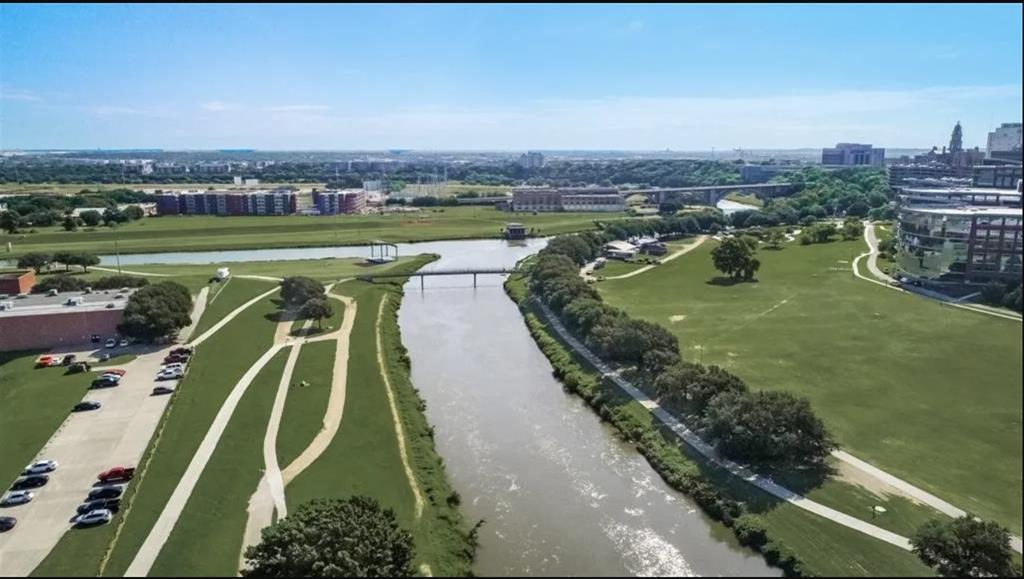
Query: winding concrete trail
point(161, 530)
point(336, 400)
point(706, 450)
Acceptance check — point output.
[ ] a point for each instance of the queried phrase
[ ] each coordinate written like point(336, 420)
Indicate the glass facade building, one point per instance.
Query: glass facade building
point(959, 245)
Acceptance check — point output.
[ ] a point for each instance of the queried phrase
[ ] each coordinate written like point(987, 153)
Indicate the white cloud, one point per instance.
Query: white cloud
point(17, 94)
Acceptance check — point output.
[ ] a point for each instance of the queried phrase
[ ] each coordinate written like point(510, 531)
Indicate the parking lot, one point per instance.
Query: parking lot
point(86, 444)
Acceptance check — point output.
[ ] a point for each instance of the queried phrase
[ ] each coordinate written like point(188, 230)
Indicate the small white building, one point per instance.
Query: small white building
point(223, 273)
point(620, 250)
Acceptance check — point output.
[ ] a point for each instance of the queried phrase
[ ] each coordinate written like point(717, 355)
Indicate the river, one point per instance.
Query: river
point(560, 493)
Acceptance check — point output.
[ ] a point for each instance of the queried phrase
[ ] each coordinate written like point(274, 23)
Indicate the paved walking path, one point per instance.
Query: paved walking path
point(172, 510)
point(697, 243)
point(227, 319)
point(336, 400)
point(198, 308)
point(691, 438)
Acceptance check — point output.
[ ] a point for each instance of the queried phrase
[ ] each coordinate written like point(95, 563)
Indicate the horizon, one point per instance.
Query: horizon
point(505, 78)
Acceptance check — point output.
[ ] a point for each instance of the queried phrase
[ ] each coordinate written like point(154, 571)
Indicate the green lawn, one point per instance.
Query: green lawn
point(33, 403)
point(926, 392)
point(305, 406)
point(753, 200)
point(614, 267)
point(207, 539)
point(203, 233)
point(227, 297)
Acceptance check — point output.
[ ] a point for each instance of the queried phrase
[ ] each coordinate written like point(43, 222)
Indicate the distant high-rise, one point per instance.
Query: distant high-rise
point(854, 154)
point(531, 160)
point(956, 142)
point(1004, 143)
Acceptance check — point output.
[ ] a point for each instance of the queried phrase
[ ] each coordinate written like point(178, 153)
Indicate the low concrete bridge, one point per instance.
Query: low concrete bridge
point(711, 194)
point(422, 274)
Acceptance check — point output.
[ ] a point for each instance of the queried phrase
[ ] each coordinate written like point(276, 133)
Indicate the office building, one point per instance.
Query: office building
point(531, 160)
point(1004, 143)
point(342, 201)
point(853, 155)
point(266, 202)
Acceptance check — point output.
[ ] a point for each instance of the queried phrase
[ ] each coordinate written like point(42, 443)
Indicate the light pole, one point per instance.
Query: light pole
point(117, 253)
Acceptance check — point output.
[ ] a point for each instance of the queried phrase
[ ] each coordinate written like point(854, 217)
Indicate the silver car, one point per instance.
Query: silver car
point(41, 467)
point(15, 498)
point(97, 517)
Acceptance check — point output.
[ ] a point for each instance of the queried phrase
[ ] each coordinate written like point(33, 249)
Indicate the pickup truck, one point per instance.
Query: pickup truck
point(118, 473)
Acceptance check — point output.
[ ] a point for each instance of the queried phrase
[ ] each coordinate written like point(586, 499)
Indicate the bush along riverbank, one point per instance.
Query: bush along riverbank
point(660, 447)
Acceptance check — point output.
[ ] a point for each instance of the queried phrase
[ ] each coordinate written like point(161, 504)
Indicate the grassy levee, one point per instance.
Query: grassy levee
point(304, 407)
point(210, 233)
point(216, 366)
point(223, 299)
point(325, 325)
point(207, 539)
point(812, 545)
point(926, 392)
point(364, 457)
point(33, 404)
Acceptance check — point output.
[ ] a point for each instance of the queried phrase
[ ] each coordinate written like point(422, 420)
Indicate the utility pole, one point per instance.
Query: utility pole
point(117, 253)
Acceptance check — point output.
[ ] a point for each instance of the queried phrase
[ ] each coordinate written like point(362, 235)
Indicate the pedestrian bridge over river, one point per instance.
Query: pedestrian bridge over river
point(423, 274)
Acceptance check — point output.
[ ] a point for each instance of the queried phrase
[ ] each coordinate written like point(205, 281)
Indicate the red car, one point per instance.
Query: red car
point(118, 473)
point(117, 371)
point(44, 361)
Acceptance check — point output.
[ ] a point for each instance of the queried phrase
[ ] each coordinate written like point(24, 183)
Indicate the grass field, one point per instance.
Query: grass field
point(33, 403)
point(928, 393)
point(614, 267)
point(304, 408)
point(207, 539)
point(751, 199)
point(207, 233)
point(225, 298)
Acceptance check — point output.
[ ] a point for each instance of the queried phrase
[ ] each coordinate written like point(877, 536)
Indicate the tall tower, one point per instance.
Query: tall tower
point(956, 141)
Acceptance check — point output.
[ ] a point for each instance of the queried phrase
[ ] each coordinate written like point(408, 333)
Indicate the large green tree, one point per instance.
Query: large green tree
point(734, 257)
point(297, 290)
point(91, 218)
point(35, 260)
point(157, 311)
point(352, 537)
point(965, 547)
point(317, 309)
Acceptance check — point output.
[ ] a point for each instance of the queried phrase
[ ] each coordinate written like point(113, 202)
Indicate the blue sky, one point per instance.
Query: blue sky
point(505, 77)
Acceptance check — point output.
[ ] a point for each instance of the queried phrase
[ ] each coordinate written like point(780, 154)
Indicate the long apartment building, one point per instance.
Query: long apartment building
point(341, 201)
point(605, 199)
point(264, 202)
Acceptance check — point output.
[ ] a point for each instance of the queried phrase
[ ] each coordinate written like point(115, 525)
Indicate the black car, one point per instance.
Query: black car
point(103, 383)
point(112, 505)
point(7, 523)
point(111, 492)
point(30, 482)
point(86, 405)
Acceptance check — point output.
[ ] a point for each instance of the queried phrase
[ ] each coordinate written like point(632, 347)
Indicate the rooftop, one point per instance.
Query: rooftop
point(970, 210)
point(40, 304)
point(959, 191)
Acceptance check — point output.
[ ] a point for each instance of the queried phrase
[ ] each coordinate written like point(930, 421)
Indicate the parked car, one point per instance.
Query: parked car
point(162, 390)
point(97, 517)
point(175, 358)
point(30, 482)
point(104, 382)
point(41, 466)
point(112, 505)
point(86, 405)
point(174, 366)
point(56, 361)
point(186, 350)
point(109, 376)
point(117, 473)
point(170, 374)
point(116, 371)
point(95, 338)
point(111, 492)
point(124, 342)
point(69, 359)
point(15, 498)
point(111, 343)
point(103, 357)
point(44, 361)
point(79, 367)
point(7, 523)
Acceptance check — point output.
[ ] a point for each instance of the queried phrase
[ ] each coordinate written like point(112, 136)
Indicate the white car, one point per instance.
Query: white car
point(124, 342)
point(174, 366)
point(15, 498)
point(111, 343)
point(42, 466)
point(170, 374)
point(97, 517)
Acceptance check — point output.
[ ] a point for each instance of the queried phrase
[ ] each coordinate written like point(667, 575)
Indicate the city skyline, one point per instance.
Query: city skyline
point(686, 78)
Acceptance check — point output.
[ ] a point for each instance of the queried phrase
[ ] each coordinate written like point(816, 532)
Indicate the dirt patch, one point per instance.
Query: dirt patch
point(677, 318)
